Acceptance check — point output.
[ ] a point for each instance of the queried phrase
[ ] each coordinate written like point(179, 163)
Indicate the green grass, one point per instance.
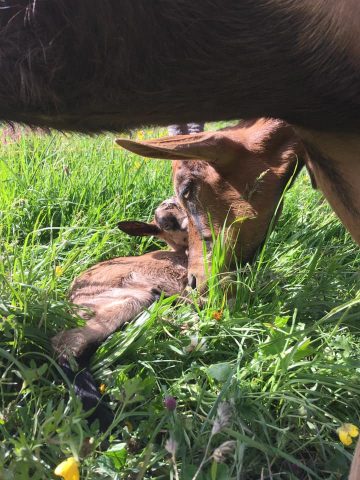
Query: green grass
point(276, 375)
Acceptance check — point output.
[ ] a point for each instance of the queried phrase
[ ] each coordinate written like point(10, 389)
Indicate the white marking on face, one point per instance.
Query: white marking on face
point(184, 224)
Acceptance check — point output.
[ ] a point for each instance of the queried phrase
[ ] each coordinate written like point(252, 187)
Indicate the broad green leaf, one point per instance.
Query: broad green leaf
point(219, 371)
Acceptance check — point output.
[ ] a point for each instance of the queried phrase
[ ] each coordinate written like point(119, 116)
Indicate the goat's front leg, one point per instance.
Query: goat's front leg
point(110, 315)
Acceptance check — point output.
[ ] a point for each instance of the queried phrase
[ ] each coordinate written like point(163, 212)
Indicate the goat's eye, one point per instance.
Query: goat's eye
point(186, 191)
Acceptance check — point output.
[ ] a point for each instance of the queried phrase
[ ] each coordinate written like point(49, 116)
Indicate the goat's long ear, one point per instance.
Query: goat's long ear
point(264, 136)
point(209, 146)
point(139, 229)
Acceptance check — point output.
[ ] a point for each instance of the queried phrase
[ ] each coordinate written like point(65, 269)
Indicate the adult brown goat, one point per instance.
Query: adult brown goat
point(234, 177)
point(81, 66)
point(267, 154)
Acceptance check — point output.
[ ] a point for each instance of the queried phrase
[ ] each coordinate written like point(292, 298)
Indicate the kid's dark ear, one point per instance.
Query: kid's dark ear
point(139, 229)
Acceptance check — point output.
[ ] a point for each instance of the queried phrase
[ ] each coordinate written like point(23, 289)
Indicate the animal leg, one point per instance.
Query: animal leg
point(355, 465)
point(334, 162)
point(111, 312)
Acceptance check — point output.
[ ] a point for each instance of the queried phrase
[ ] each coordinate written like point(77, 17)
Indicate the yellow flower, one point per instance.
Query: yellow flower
point(68, 469)
point(102, 388)
point(58, 271)
point(346, 432)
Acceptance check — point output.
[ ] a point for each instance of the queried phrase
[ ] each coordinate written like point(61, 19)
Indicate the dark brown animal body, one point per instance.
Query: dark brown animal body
point(85, 66)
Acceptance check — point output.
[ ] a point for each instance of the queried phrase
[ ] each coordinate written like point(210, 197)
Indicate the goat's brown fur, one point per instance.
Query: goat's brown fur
point(117, 290)
point(76, 66)
point(235, 175)
point(113, 292)
point(221, 171)
point(89, 66)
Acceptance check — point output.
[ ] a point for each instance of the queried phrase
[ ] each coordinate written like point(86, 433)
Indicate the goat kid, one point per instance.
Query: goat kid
point(113, 292)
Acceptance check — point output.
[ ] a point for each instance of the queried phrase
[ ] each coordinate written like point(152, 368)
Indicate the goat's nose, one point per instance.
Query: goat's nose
point(192, 280)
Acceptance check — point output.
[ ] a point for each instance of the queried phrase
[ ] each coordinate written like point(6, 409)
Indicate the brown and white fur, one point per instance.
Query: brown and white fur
point(216, 173)
point(73, 66)
point(235, 177)
point(113, 292)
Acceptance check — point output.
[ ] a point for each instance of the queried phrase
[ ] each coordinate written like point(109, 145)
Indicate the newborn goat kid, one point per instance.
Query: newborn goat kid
point(115, 291)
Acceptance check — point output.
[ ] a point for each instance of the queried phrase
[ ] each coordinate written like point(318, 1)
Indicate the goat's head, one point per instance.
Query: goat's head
point(233, 177)
point(170, 224)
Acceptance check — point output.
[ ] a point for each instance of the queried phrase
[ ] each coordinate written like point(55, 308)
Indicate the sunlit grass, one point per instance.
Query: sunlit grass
point(283, 352)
